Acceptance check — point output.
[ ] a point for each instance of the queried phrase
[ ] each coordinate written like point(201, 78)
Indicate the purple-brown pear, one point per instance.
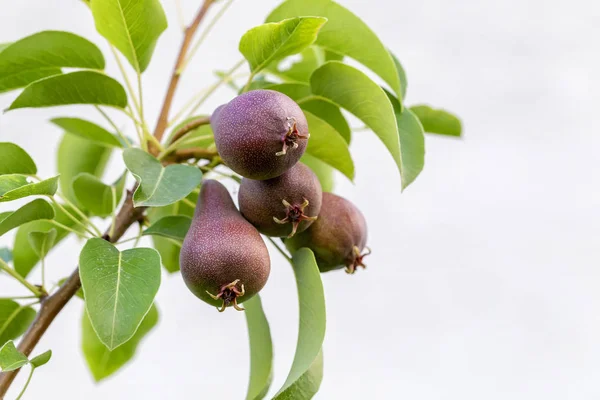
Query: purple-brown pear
point(337, 238)
point(224, 261)
point(284, 205)
point(260, 134)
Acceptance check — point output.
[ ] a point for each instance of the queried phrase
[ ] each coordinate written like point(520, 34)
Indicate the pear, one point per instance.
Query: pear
point(224, 260)
point(337, 238)
point(260, 134)
point(283, 205)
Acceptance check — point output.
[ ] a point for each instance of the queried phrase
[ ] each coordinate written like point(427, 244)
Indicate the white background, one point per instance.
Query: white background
point(485, 277)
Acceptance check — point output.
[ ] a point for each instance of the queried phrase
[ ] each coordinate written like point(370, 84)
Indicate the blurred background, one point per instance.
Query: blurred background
point(484, 277)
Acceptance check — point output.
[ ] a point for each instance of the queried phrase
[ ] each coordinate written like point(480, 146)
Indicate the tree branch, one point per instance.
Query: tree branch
point(52, 305)
point(163, 118)
point(190, 126)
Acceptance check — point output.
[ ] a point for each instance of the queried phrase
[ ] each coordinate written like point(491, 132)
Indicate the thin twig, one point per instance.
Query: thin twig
point(163, 118)
point(115, 127)
point(190, 126)
point(281, 251)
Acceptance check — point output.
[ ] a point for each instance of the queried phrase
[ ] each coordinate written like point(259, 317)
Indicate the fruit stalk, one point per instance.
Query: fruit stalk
point(53, 304)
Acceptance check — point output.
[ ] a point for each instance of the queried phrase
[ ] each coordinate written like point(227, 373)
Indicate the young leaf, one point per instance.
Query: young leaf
point(312, 317)
point(273, 41)
point(42, 242)
point(101, 361)
point(11, 358)
point(119, 288)
point(261, 350)
point(44, 188)
point(329, 146)
point(437, 120)
point(43, 54)
point(323, 171)
point(37, 209)
point(307, 385)
point(88, 130)
point(97, 197)
point(132, 26)
point(80, 87)
point(401, 77)
point(351, 89)
point(42, 359)
point(344, 33)
point(6, 254)
point(296, 91)
point(159, 186)
point(15, 160)
point(25, 257)
point(173, 226)
point(76, 156)
point(412, 143)
point(14, 320)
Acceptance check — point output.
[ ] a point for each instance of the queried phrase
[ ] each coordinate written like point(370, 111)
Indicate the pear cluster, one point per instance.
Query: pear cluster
point(261, 135)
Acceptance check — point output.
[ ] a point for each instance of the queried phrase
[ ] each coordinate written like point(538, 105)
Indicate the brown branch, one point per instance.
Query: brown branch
point(195, 153)
point(163, 118)
point(53, 304)
point(190, 126)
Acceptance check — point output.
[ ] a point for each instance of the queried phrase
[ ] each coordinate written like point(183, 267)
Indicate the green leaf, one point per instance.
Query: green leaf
point(273, 41)
point(6, 254)
point(11, 358)
point(133, 27)
point(44, 188)
point(311, 58)
point(168, 248)
point(308, 384)
point(101, 361)
point(401, 77)
point(25, 257)
point(76, 156)
point(97, 197)
point(438, 120)
point(312, 323)
point(295, 91)
point(331, 114)
point(4, 46)
point(261, 350)
point(323, 171)
point(119, 288)
point(15, 160)
point(412, 143)
point(158, 185)
point(329, 146)
point(88, 130)
point(37, 209)
point(173, 226)
point(80, 87)
point(14, 320)
point(42, 242)
point(42, 359)
point(344, 34)
point(351, 89)
point(42, 55)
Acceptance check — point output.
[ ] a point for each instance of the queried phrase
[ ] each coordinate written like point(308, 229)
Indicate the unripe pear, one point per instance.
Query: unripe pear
point(224, 261)
point(338, 237)
point(260, 134)
point(283, 205)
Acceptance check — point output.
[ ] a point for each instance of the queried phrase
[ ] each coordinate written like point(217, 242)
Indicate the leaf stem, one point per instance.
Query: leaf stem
point(188, 202)
point(126, 79)
point(26, 383)
point(204, 35)
point(66, 228)
point(80, 213)
point(6, 268)
point(74, 219)
point(112, 123)
point(281, 251)
point(18, 298)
